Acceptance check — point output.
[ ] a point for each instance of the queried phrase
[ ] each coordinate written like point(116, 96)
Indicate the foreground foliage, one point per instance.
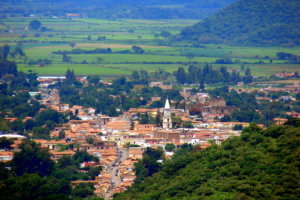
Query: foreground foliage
point(261, 164)
point(33, 175)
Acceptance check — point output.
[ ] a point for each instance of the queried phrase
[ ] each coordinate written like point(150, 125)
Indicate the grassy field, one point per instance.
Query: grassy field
point(120, 35)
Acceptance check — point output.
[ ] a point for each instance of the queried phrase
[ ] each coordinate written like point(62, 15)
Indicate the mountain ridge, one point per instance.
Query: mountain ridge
point(166, 9)
point(256, 22)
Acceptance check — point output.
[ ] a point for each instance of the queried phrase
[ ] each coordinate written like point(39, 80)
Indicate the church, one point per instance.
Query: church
point(167, 121)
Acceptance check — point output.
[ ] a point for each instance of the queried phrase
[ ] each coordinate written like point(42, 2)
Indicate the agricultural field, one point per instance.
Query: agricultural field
point(152, 36)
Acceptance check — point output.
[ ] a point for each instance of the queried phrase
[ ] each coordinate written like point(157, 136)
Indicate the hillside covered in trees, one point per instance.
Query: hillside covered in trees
point(255, 22)
point(260, 164)
point(114, 9)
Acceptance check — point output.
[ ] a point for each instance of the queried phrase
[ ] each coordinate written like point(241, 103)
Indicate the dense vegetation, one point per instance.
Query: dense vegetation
point(260, 164)
point(35, 176)
point(247, 106)
point(16, 102)
point(150, 9)
point(208, 75)
point(258, 22)
point(115, 98)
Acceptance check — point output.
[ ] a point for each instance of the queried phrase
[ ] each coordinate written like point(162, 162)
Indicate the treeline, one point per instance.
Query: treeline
point(150, 9)
point(135, 49)
point(82, 51)
point(207, 74)
point(255, 165)
point(256, 22)
point(291, 58)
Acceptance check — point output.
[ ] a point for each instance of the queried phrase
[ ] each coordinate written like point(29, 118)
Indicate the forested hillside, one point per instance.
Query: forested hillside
point(255, 22)
point(114, 9)
point(260, 164)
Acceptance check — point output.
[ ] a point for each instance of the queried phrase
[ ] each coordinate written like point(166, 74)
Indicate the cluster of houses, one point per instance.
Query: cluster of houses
point(119, 142)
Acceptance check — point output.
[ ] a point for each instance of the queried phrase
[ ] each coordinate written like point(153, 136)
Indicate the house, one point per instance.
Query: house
point(136, 152)
point(161, 85)
point(144, 127)
point(51, 144)
point(170, 136)
point(58, 154)
point(6, 156)
point(118, 124)
point(216, 108)
point(279, 121)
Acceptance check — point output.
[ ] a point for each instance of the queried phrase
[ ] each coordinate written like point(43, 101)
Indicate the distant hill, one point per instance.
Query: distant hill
point(114, 9)
point(255, 22)
point(260, 164)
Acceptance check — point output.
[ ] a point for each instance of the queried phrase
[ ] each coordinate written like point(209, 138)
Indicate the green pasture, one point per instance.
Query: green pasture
point(122, 35)
point(80, 69)
point(117, 69)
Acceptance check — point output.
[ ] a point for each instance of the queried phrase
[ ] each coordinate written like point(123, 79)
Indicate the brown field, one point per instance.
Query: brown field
point(280, 81)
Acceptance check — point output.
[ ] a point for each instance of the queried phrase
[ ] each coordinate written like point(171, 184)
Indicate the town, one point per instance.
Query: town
point(119, 142)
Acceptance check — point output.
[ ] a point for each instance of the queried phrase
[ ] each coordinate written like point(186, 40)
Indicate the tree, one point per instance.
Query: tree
point(34, 25)
point(70, 75)
point(19, 51)
point(248, 72)
point(170, 147)
point(83, 190)
point(61, 134)
point(202, 85)
point(66, 58)
point(32, 159)
point(83, 156)
point(34, 187)
point(5, 143)
point(140, 171)
point(136, 77)
point(65, 161)
point(181, 75)
point(137, 49)
point(99, 60)
point(190, 56)
point(94, 171)
point(293, 122)
point(93, 79)
point(187, 124)
point(248, 76)
point(144, 119)
point(243, 67)
point(90, 140)
point(4, 51)
point(158, 119)
point(165, 34)
point(72, 44)
point(238, 127)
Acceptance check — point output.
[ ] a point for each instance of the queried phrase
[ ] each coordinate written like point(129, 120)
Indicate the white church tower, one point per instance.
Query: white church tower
point(167, 121)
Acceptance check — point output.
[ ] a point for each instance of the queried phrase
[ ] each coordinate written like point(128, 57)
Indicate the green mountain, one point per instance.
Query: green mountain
point(255, 22)
point(115, 9)
point(260, 164)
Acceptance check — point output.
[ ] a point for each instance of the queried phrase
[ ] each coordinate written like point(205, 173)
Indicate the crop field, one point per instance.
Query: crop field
point(158, 52)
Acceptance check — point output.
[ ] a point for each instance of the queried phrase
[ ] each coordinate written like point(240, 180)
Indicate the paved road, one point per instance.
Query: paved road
point(116, 180)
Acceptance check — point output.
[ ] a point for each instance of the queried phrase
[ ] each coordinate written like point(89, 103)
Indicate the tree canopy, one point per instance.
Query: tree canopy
point(255, 22)
point(260, 164)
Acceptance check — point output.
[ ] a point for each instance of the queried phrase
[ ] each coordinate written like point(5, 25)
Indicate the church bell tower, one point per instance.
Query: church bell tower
point(167, 121)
